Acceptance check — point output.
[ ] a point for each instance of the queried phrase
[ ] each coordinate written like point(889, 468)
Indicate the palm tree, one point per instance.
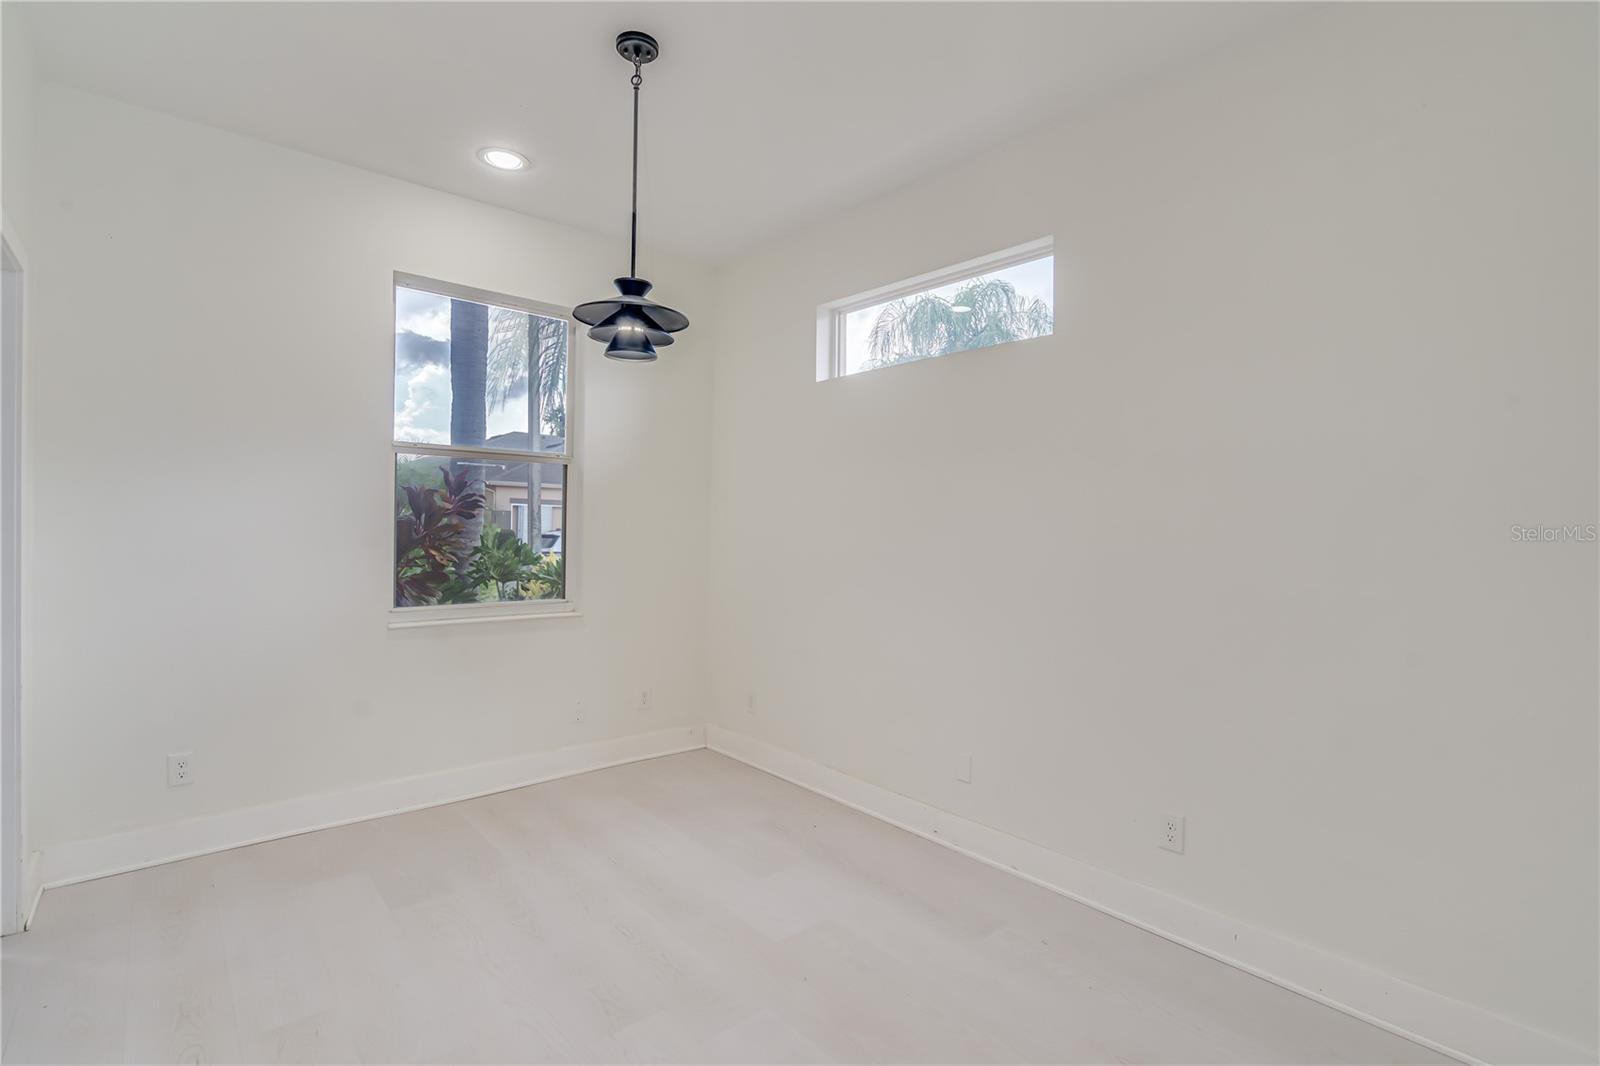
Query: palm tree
point(551, 344)
point(469, 422)
point(514, 335)
point(487, 347)
point(469, 352)
point(516, 341)
point(983, 312)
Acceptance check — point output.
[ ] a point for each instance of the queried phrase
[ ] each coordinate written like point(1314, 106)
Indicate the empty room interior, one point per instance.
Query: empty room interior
point(800, 532)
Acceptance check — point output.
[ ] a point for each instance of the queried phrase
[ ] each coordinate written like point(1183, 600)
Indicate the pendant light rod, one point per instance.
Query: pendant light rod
point(638, 48)
point(633, 239)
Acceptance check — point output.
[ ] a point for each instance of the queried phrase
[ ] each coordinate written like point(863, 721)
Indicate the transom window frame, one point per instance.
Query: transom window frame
point(831, 316)
point(455, 613)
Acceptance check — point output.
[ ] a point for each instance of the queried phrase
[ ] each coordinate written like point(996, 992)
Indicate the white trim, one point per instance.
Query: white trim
point(33, 886)
point(136, 849)
point(494, 611)
point(14, 898)
point(511, 614)
point(408, 447)
point(1451, 1027)
point(482, 296)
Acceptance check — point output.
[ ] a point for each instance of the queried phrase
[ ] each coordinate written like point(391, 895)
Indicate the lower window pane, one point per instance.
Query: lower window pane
point(465, 531)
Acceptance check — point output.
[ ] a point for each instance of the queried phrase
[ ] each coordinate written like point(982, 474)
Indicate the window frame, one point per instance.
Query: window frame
point(453, 613)
point(831, 316)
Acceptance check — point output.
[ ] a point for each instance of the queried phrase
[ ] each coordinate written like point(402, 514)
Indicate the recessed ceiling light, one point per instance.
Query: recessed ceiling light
point(503, 158)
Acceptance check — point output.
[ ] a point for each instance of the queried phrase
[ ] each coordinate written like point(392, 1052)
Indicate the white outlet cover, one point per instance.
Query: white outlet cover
point(180, 769)
point(1172, 833)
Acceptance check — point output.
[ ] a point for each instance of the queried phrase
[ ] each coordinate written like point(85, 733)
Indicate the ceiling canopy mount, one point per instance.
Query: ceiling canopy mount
point(637, 47)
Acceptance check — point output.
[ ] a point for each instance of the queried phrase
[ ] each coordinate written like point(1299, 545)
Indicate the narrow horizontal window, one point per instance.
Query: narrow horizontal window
point(1005, 297)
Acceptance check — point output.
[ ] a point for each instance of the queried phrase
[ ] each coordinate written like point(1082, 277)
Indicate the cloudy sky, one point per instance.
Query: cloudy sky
point(1034, 280)
point(422, 368)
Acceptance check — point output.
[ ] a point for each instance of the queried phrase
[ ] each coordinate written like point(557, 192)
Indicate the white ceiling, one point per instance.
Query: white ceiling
point(758, 118)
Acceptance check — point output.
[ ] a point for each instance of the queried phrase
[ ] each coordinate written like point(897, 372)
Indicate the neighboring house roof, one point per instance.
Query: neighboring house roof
point(518, 442)
point(517, 473)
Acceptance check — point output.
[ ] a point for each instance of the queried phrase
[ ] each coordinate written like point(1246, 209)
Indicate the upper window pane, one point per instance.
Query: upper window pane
point(1010, 304)
point(461, 374)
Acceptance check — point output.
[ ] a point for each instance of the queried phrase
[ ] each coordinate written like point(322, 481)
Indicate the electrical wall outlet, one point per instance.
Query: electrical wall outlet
point(644, 699)
point(964, 769)
point(1172, 833)
point(750, 702)
point(577, 712)
point(180, 769)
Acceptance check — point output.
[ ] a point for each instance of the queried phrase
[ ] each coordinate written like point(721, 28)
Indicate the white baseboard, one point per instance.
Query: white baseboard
point(1450, 1026)
point(29, 889)
point(1446, 1025)
point(84, 860)
point(32, 886)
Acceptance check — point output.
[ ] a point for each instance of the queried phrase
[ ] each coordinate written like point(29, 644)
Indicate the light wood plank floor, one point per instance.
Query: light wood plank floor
point(685, 909)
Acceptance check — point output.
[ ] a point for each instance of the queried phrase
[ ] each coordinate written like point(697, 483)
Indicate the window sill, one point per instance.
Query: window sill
point(475, 618)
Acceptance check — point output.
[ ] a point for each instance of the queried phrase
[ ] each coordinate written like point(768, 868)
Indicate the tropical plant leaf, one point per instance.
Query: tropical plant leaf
point(431, 534)
point(504, 561)
point(549, 580)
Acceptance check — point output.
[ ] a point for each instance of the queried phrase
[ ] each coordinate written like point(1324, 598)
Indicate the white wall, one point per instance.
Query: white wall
point(1241, 551)
point(210, 537)
point(17, 93)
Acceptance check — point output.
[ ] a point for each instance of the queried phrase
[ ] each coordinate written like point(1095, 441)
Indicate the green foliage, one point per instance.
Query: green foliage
point(423, 472)
point(431, 531)
point(435, 563)
point(993, 312)
point(461, 590)
point(504, 562)
point(549, 579)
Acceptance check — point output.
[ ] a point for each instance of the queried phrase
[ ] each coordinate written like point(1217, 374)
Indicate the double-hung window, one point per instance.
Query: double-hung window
point(483, 425)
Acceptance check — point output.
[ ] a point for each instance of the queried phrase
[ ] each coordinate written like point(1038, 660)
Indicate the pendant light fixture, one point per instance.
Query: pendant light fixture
point(632, 326)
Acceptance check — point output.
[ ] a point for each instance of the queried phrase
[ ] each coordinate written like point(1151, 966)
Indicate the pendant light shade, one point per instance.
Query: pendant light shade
point(630, 325)
point(637, 348)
